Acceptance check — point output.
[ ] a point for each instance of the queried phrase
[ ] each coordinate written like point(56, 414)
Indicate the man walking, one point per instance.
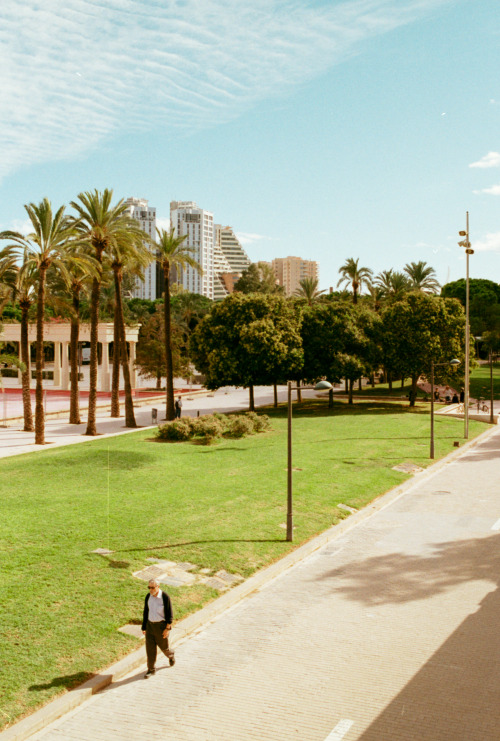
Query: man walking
point(156, 625)
point(178, 408)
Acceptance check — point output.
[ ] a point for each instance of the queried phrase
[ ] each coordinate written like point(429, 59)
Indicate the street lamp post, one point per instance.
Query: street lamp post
point(468, 251)
point(321, 386)
point(453, 363)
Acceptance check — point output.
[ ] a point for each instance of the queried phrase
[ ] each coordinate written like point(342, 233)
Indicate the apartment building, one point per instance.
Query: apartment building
point(198, 227)
point(140, 210)
point(289, 271)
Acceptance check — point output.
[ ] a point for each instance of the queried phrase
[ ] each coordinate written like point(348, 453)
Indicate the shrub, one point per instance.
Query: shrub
point(208, 428)
point(175, 431)
point(240, 426)
point(260, 422)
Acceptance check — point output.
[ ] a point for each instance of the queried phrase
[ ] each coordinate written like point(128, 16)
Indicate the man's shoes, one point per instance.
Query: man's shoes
point(149, 673)
point(171, 661)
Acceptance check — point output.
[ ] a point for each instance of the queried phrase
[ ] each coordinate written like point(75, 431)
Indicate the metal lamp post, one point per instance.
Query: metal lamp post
point(468, 251)
point(321, 386)
point(453, 363)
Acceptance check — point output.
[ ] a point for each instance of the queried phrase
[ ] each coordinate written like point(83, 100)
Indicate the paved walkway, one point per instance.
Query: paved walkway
point(14, 441)
point(389, 633)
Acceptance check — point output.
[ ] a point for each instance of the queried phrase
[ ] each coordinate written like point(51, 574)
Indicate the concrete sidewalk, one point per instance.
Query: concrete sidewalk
point(388, 632)
point(13, 441)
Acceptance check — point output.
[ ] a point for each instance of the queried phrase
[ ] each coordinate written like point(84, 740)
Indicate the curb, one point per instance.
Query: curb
point(57, 708)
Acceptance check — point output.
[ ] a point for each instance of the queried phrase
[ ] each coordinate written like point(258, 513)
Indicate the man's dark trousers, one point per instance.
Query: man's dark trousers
point(154, 639)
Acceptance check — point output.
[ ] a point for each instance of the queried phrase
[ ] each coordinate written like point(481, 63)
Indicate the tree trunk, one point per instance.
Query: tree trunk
point(129, 404)
point(26, 374)
point(403, 383)
point(351, 387)
point(251, 406)
point(158, 381)
point(39, 413)
point(330, 399)
point(299, 392)
point(115, 380)
point(74, 404)
point(346, 386)
point(169, 381)
point(413, 391)
point(275, 390)
point(94, 321)
point(389, 380)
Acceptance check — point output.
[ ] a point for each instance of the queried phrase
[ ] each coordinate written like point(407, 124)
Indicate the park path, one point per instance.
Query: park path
point(14, 441)
point(389, 633)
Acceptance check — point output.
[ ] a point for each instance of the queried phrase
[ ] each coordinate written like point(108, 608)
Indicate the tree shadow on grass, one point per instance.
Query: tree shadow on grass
point(181, 544)
point(68, 680)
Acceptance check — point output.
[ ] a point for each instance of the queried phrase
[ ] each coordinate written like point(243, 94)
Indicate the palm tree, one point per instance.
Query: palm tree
point(172, 253)
point(355, 275)
point(8, 270)
point(66, 293)
point(375, 295)
point(24, 291)
point(309, 290)
point(101, 226)
point(45, 248)
point(422, 277)
point(135, 256)
point(393, 284)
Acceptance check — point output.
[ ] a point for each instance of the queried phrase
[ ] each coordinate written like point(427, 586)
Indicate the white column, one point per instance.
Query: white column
point(57, 363)
point(65, 367)
point(133, 373)
point(105, 380)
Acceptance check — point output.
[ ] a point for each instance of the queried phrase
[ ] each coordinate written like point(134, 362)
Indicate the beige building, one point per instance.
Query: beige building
point(289, 271)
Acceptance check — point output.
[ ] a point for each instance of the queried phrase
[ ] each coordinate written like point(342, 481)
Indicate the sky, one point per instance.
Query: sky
point(316, 128)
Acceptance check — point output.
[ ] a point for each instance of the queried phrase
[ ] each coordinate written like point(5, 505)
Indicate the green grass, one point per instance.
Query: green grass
point(480, 382)
point(219, 507)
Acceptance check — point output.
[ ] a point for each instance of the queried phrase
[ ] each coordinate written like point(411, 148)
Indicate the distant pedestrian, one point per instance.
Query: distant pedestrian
point(156, 625)
point(178, 408)
point(462, 396)
point(454, 399)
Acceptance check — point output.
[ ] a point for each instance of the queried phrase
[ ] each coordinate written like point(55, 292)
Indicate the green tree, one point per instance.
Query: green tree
point(151, 358)
point(258, 278)
point(393, 285)
point(422, 277)
point(101, 226)
point(172, 253)
point(420, 329)
point(355, 276)
point(248, 340)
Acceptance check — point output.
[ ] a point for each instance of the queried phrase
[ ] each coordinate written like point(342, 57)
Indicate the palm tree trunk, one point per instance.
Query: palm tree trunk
point(39, 413)
point(26, 373)
point(169, 381)
point(251, 405)
point(275, 389)
point(74, 403)
point(94, 328)
point(129, 404)
point(115, 381)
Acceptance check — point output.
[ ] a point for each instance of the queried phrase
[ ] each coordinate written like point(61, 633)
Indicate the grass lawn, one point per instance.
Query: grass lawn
point(218, 507)
point(479, 382)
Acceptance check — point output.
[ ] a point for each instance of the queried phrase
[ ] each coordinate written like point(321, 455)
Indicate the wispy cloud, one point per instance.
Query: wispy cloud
point(246, 238)
point(490, 243)
point(75, 74)
point(492, 159)
point(493, 191)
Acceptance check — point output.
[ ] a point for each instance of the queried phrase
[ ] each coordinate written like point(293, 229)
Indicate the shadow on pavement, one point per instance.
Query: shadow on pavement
point(455, 696)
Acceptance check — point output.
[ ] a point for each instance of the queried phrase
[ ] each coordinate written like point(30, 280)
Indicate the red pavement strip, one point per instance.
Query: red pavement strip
point(57, 708)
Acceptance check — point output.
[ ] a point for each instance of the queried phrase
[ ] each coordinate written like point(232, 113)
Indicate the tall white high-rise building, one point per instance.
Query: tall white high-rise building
point(221, 266)
point(146, 216)
point(198, 225)
point(232, 249)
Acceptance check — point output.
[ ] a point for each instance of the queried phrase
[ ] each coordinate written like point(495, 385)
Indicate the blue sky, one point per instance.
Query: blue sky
point(328, 130)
